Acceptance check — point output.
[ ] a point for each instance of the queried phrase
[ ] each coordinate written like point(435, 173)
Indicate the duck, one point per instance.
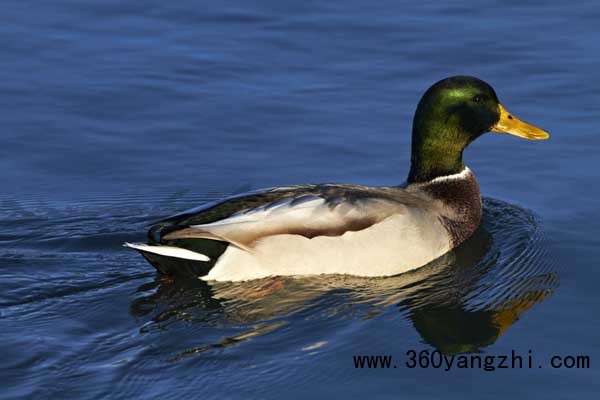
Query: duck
point(348, 229)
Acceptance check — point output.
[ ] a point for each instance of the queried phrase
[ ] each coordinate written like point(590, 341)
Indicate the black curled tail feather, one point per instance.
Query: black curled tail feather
point(159, 230)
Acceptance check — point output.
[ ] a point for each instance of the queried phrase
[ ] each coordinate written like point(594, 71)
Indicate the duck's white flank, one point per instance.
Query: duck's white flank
point(168, 251)
point(403, 242)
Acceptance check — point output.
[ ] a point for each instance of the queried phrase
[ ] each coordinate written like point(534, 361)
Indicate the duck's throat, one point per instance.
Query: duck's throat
point(428, 164)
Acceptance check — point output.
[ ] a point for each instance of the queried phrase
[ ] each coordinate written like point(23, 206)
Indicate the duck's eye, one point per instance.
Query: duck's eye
point(478, 98)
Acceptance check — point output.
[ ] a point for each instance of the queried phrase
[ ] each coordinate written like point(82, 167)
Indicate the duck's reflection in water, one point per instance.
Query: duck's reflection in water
point(459, 303)
point(463, 310)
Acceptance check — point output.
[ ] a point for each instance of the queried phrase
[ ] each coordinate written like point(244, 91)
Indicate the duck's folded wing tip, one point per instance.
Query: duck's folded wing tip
point(168, 251)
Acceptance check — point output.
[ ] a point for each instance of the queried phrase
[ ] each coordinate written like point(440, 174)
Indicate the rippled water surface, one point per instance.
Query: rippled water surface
point(114, 115)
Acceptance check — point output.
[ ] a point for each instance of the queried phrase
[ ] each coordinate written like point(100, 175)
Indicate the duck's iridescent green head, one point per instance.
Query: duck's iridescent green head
point(451, 114)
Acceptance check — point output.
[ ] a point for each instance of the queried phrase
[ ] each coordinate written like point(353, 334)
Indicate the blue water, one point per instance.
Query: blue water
point(114, 115)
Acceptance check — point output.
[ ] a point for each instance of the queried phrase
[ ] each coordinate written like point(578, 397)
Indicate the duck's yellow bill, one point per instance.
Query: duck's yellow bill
point(512, 125)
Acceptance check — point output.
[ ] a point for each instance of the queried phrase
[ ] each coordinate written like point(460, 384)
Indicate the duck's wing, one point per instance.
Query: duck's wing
point(309, 211)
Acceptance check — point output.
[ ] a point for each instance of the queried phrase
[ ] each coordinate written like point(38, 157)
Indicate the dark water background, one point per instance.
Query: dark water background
point(113, 115)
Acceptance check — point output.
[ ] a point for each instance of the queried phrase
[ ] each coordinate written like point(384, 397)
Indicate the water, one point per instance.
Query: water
point(116, 115)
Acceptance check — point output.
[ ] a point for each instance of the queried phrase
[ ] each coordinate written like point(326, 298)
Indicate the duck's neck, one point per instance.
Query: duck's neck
point(421, 172)
point(437, 147)
point(431, 164)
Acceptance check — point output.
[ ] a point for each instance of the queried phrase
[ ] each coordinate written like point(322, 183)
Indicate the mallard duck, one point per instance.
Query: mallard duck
point(349, 229)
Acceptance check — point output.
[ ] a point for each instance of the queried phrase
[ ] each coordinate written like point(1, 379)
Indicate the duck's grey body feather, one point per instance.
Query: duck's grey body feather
point(308, 211)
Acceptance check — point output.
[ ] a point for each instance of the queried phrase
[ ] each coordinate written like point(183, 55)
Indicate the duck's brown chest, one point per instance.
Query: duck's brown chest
point(461, 205)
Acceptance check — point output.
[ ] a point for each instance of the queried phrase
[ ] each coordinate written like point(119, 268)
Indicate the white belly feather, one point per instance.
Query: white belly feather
point(397, 244)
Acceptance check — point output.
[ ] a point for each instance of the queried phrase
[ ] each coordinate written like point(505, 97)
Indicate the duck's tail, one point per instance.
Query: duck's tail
point(168, 251)
point(188, 258)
